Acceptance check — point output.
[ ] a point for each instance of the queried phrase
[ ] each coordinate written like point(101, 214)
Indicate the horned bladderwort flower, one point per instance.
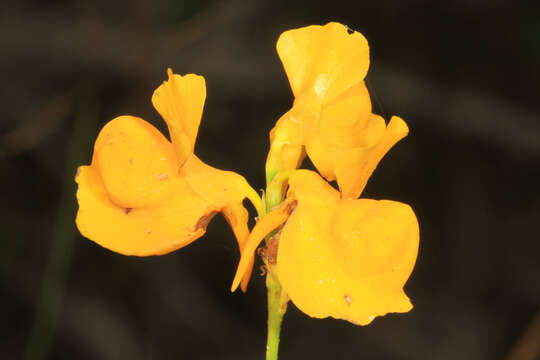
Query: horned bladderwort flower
point(336, 256)
point(330, 252)
point(143, 195)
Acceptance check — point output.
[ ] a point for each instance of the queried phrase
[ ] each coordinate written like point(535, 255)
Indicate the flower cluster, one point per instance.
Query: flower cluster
point(334, 254)
point(338, 255)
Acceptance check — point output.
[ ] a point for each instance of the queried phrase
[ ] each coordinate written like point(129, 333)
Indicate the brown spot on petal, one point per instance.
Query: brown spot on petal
point(163, 176)
point(204, 220)
point(269, 252)
point(347, 299)
point(127, 210)
point(272, 248)
point(291, 206)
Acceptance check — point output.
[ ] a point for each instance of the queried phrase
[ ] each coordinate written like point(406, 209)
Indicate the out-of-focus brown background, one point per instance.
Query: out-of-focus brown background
point(464, 74)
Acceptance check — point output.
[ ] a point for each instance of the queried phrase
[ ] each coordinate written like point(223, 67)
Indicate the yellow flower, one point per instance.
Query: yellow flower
point(337, 255)
point(143, 195)
point(331, 114)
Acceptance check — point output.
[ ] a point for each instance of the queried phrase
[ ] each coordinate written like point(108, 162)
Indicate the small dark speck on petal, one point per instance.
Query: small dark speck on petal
point(127, 210)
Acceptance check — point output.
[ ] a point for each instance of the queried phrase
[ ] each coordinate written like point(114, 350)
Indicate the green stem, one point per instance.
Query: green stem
point(274, 190)
point(277, 298)
point(277, 306)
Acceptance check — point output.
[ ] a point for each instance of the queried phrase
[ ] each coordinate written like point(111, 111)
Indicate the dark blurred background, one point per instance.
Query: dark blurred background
point(464, 74)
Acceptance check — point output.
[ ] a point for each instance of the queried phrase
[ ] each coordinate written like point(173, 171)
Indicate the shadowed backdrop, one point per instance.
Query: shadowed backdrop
point(464, 75)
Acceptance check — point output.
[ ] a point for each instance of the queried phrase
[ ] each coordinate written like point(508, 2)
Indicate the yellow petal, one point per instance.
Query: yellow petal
point(237, 217)
point(137, 164)
point(343, 120)
point(180, 102)
point(218, 187)
point(307, 185)
point(356, 165)
point(344, 123)
point(325, 58)
point(350, 260)
point(264, 226)
point(380, 235)
point(140, 231)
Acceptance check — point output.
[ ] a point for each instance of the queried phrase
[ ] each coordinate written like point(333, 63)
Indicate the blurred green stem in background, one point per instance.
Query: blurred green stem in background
point(63, 234)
